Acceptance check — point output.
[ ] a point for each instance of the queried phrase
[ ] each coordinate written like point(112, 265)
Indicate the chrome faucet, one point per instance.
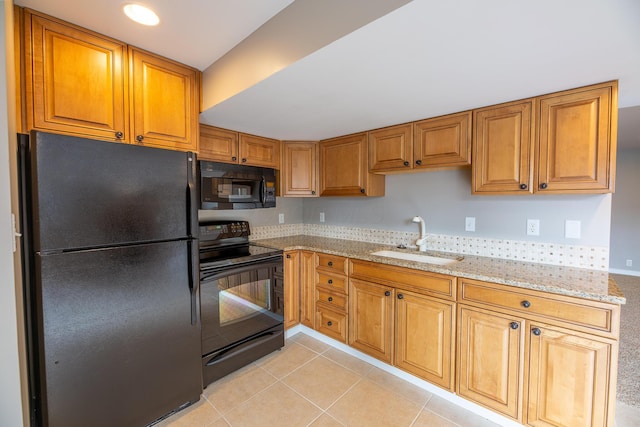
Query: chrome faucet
point(421, 243)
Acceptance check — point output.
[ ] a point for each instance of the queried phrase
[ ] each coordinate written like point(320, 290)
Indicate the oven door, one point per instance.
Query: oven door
point(238, 302)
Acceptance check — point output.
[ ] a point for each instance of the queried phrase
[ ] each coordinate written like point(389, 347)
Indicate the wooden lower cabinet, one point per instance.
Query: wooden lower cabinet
point(371, 308)
point(291, 288)
point(570, 381)
point(307, 286)
point(491, 360)
point(425, 344)
point(331, 323)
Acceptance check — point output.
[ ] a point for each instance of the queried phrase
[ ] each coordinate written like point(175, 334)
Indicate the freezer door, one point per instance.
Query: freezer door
point(88, 193)
point(117, 343)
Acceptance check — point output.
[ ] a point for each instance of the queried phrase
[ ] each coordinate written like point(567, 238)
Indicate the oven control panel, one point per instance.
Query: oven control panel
point(219, 230)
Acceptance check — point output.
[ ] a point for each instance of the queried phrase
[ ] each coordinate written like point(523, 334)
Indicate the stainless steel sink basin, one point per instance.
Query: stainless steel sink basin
point(418, 257)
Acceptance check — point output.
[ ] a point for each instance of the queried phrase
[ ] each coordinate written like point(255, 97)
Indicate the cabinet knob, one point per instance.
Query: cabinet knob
point(288, 256)
point(313, 192)
point(543, 185)
point(362, 190)
point(400, 296)
point(244, 160)
point(387, 293)
point(330, 281)
point(330, 299)
point(523, 186)
point(139, 138)
point(525, 304)
point(536, 331)
point(514, 325)
point(330, 263)
point(406, 163)
point(418, 162)
point(234, 158)
point(119, 135)
point(329, 323)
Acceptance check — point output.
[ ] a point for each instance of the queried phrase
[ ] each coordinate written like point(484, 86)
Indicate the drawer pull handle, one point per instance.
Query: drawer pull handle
point(536, 331)
point(329, 323)
point(525, 304)
point(330, 281)
point(514, 325)
point(330, 263)
point(387, 293)
point(330, 299)
point(400, 296)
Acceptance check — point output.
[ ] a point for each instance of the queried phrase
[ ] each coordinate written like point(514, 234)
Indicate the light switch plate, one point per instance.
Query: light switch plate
point(470, 223)
point(572, 229)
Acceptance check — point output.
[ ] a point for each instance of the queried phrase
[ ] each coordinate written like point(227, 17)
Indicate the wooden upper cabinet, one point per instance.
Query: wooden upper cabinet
point(299, 171)
point(577, 140)
point(442, 141)
point(165, 99)
point(219, 145)
point(391, 149)
point(344, 168)
point(503, 148)
point(75, 80)
point(228, 146)
point(259, 151)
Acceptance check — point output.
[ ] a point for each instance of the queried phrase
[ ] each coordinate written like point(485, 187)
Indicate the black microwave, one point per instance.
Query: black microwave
point(226, 186)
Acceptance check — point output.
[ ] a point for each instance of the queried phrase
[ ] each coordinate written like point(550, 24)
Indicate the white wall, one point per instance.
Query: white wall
point(443, 199)
point(625, 213)
point(10, 391)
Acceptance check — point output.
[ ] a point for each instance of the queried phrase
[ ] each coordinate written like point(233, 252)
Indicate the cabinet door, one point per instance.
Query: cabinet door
point(503, 149)
point(331, 323)
point(164, 96)
point(76, 80)
point(371, 319)
point(307, 286)
point(442, 141)
point(344, 168)
point(391, 149)
point(258, 151)
point(490, 360)
point(424, 337)
point(577, 140)
point(291, 288)
point(218, 145)
point(569, 378)
point(299, 169)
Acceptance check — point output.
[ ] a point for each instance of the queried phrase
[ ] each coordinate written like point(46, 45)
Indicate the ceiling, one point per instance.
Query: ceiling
point(424, 59)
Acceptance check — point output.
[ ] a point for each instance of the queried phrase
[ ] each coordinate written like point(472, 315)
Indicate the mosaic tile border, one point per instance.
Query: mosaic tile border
point(591, 257)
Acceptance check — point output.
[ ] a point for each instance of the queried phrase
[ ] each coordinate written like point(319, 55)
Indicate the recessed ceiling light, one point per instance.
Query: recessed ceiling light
point(141, 14)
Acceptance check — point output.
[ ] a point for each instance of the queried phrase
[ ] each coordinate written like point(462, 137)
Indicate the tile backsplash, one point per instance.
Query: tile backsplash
point(591, 257)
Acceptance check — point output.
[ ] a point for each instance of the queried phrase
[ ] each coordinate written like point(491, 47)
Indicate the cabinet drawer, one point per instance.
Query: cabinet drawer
point(333, 299)
point(331, 323)
point(581, 314)
point(338, 283)
point(333, 263)
point(434, 284)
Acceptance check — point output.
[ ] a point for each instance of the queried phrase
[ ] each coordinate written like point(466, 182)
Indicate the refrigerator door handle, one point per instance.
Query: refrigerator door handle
point(194, 279)
point(192, 195)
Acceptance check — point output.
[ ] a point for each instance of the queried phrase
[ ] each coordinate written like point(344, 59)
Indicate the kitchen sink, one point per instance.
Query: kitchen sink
point(428, 259)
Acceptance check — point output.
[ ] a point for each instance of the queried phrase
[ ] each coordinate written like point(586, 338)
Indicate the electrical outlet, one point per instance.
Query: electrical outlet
point(470, 223)
point(280, 218)
point(321, 216)
point(629, 263)
point(533, 227)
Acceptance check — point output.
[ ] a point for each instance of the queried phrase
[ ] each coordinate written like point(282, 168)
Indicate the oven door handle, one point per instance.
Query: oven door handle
point(194, 278)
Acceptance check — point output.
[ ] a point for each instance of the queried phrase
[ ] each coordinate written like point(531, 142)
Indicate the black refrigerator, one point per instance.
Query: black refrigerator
point(111, 278)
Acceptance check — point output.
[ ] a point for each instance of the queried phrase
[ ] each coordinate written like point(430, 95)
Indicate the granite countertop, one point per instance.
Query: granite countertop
point(571, 281)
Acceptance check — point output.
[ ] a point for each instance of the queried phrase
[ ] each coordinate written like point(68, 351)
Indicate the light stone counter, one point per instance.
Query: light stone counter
point(577, 282)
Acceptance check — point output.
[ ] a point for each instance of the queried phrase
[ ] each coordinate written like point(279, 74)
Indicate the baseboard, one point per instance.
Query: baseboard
point(624, 272)
point(451, 397)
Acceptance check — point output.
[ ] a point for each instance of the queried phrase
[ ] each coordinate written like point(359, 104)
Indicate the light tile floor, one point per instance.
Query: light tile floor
point(309, 383)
